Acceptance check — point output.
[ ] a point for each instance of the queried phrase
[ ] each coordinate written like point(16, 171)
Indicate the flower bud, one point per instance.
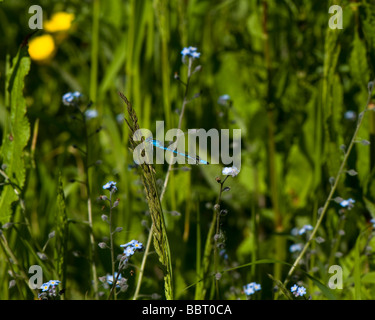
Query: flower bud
point(102, 245)
point(118, 229)
point(115, 204)
point(42, 256)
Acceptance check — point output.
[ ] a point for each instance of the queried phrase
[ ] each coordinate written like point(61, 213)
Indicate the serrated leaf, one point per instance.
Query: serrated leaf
point(358, 62)
point(17, 136)
point(368, 20)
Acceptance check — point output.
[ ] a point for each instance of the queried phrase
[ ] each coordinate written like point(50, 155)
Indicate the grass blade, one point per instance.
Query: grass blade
point(61, 220)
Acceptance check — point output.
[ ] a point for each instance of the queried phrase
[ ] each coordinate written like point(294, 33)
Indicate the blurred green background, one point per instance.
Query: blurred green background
point(291, 80)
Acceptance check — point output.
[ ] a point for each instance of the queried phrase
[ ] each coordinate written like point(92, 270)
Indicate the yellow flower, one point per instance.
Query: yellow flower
point(42, 48)
point(60, 21)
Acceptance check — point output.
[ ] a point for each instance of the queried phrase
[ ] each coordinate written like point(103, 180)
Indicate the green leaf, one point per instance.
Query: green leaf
point(370, 206)
point(332, 97)
point(368, 21)
point(324, 289)
point(357, 271)
point(369, 277)
point(17, 137)
point(358, 62)
point(112, 70)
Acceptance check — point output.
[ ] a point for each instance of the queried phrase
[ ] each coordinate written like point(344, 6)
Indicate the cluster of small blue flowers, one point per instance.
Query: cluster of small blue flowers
point(223, 253)
point(251, 288)
point(350, 115)
point(121, 282)
point(70, 98)
point(295, 247)
point(110, 186)
point(110, 278)
point(223, 99)
point(298, 291)
point(131, 247)
point(295, 232)
point(348, 204)
point(49, 284)
point(190, 52)
point(230, 171)
point(301, 231)
point(49, 289)
point(91, 114)
point(304, 229)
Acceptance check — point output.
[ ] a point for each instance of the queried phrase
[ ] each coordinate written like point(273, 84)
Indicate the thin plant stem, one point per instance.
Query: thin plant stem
point(93, 96)
point(147, 249)
point(89, 209)
point(94, 50)
point(216, 255)
point(198, 246)
point(336, 245)
point(111, 239)
point(122, 264)
point(279, 242)
point(141, 271)
point(333, 188)
point(253, 224)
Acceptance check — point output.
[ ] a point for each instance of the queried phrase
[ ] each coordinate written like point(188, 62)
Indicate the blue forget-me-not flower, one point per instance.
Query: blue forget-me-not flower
point(224, 100)
point(131, 247)
point(295, 247)
point(111, 185)
point(111, 278)
point(305, 228)
point(251, 288)
point(230, 171)
point(190, 52)
point(349, 203)
point(71, 97)
point(91, 114)
point(298, 291)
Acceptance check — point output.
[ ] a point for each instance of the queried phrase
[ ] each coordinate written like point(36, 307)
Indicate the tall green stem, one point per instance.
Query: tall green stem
point(341, 171)
point(89, 208)
point(93, 96)
point(279, 242)
point(217, 218)
point(111, 241)
point(94, 50)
